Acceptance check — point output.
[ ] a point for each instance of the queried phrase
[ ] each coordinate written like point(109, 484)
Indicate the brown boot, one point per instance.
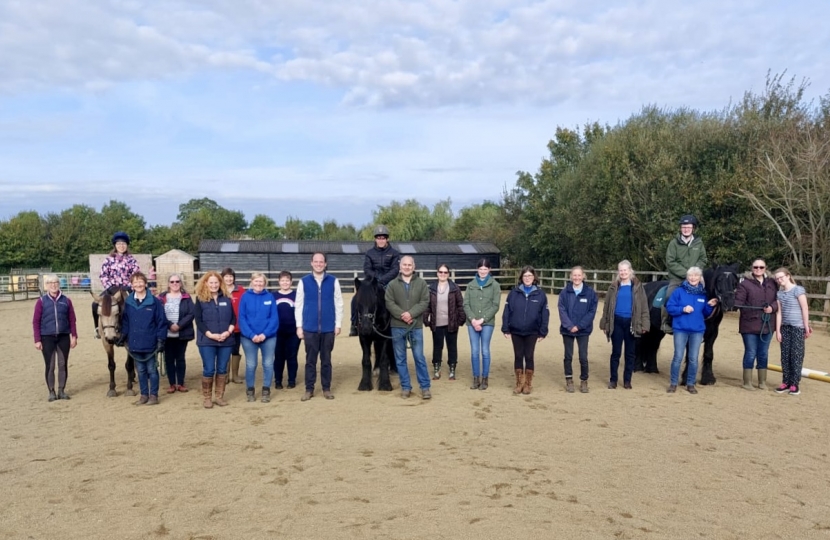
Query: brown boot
point(528, 382)
point(207, 392)
point(520, 381)
point(233, 375)
point(221, 381)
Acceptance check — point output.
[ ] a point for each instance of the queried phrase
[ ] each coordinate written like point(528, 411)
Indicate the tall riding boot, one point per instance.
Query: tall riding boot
point(436, 371)
point(747, 385)
point(221, 381)
point(234, 371)
point(520, 381)
point(528, 387)
point(207, 392)
point(762, 379)
point(476, 383)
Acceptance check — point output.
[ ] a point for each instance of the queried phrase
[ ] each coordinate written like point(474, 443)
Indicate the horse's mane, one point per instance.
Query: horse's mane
point(369, 294)
point(106, 304)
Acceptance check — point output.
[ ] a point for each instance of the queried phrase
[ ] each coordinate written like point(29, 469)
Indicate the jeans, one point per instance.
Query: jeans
point(622, 335)
point(266, 348)
point(288, 344)
point(681, 339)
point(416, 339)
point(318, 344)
point(756, 346)
point(480, 350)
point(582, 347)
point(148, 373)
point(174, 351)
point(214, 360)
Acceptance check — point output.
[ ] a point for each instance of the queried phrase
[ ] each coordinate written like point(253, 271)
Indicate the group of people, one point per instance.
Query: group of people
point(269, 326)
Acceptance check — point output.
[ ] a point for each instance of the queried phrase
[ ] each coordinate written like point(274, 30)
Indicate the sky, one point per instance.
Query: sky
point(325, 110)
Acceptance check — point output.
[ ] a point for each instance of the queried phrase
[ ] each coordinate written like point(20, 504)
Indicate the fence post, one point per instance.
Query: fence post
point(826, 303)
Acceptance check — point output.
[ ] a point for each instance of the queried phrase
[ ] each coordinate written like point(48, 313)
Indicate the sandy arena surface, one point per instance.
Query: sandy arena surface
point(724, 464)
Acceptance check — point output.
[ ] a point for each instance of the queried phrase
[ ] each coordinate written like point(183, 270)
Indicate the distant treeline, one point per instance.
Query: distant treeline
point(756, 175)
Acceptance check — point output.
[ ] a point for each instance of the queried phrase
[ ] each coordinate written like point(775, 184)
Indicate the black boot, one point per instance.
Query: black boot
point(436, 371)
point(353, 330)
point(452, 372)
point(251, 395)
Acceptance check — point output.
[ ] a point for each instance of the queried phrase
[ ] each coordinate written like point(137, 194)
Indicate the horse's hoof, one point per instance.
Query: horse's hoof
point(707, 382)
point(653, 370)
point(385, 388)
point(112, 393)
point(364, 388)
point(130, 393)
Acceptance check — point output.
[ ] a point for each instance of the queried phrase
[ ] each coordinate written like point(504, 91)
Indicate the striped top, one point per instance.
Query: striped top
point(790, 308)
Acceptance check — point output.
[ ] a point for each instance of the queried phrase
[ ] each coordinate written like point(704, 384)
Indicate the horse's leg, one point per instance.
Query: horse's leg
point(111, 367)
point(647, 349)
point(707, 374)
point(130, 365)
point(382, 353)
point(390, 356)
point(366, 364)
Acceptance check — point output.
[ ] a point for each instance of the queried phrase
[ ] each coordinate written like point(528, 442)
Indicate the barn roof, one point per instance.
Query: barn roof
point(310, 246)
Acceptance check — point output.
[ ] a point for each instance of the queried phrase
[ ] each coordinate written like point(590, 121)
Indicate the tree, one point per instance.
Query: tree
point(477, 223)
point(413, 221)
point(23, 241)
point(205, 219)
point(263, 227)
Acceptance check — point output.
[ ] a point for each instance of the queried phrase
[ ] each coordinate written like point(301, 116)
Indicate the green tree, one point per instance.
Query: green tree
point(413, 221)
point(23, 242)
point(263, 227)
point(205, 219)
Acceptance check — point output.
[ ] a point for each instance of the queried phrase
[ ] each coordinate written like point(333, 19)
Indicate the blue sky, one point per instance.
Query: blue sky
point(325, 110)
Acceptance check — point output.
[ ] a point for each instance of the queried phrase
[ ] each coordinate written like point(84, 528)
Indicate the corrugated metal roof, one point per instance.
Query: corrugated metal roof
point(310, 246)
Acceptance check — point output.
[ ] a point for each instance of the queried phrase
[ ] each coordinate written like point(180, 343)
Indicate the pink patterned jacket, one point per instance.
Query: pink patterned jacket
point(117, 269)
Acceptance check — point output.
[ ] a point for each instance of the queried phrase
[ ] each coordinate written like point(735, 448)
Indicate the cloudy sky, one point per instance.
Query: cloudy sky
point(323, 109)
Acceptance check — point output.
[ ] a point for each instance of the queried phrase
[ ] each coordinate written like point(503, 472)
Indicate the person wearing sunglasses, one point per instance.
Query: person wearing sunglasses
point(178, 308)
point(444, 315)
point(756, 297)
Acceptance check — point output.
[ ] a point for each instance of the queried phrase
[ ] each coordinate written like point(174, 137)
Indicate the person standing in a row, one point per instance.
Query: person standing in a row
point(756, 297)
point(444, 315)
point(288, 344)
point(258, 323)
point(178, 308)
point(144, 329)
point(792, 327)
point(318, 314)
point(481, 303)
point(577, 308)
point(525, 322)
point(215, 325)
point(235, 293)
point(55, 333)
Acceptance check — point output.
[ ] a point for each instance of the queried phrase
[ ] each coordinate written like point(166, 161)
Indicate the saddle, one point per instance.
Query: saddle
point(660, 298)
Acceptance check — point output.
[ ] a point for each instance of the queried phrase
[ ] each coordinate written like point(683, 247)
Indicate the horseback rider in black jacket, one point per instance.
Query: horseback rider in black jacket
point(382, 262)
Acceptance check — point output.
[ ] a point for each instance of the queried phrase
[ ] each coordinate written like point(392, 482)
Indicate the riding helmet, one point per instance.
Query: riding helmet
point(689, 219)
point(120, 236)
point(380, 230)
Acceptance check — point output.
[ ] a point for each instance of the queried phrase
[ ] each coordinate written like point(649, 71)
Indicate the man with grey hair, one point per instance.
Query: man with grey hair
point(407, 297)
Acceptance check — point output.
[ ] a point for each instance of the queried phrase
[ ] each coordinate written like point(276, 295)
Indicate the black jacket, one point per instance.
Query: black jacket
point(186, 314)
point(526, 314)
point(382, 264)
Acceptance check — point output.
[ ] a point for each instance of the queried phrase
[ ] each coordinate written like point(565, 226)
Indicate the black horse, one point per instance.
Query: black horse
point(721, 282)
point(373, 329)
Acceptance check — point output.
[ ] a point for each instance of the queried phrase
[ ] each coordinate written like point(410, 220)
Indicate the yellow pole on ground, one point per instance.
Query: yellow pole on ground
point(808, 373)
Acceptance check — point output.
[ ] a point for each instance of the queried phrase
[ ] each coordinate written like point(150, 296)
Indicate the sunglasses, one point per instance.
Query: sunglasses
point(759, 267)
point(443, 272)
point(175, 282)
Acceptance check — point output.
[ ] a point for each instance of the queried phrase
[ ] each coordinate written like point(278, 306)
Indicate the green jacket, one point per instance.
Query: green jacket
point(482, 302)
point(415, 300)
point(640, 314)
point(681, 256)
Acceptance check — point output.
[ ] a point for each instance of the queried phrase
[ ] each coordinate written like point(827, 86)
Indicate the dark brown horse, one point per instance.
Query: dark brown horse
point(110, 309)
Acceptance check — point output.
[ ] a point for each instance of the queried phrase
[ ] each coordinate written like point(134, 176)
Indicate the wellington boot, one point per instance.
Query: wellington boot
point(207, 392)
point(485, 383)
point(747, 385)
point(221, 381)
point(476, 383)
point(762, 379)
point(520, 381)
point(452, 372)
point(436, 371)
point(528, 387)
point(234, 372)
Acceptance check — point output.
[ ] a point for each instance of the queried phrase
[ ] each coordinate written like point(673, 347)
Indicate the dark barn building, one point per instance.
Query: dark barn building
point(273, 256)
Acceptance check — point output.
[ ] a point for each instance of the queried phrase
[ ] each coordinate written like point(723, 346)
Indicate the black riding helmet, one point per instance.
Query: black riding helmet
point(121, 236)
point(689, 219)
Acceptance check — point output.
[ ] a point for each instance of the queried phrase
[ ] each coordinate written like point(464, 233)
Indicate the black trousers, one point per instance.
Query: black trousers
point(439, 336)
point(582, 345)
point(318, 344)
point(523, 349)
point(55, 353)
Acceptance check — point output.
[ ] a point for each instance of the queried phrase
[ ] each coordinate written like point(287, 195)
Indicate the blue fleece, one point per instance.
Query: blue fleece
point(258, 314)
point(694, 322)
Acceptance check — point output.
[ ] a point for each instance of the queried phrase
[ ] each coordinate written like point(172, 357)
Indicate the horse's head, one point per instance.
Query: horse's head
point(721, 284)
point(371, 306)
point(110, 308)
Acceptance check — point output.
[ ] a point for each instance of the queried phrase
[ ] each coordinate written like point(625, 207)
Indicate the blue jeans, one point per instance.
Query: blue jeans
point(694, 339)
point(148, 373)
point(266, 348)
point(480, 349)
point(756, 346)
point(416, 339)
point(214, 360)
